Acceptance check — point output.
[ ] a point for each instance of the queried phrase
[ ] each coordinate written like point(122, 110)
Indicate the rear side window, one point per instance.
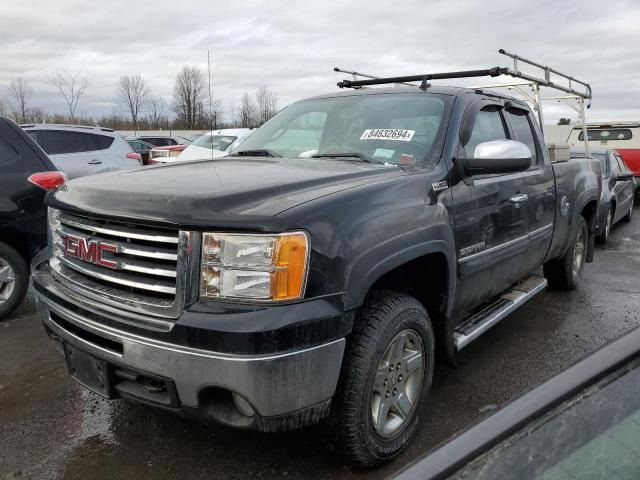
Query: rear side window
point(488, 126)
point(56, 142)
point(607, 134)
point(521, 125)
point(98, 142)
point(8, 154)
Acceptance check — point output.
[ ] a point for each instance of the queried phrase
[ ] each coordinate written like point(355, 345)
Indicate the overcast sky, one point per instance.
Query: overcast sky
point(292, 47)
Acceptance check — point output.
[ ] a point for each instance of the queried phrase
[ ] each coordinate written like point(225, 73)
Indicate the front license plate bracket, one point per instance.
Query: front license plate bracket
point(89, 371)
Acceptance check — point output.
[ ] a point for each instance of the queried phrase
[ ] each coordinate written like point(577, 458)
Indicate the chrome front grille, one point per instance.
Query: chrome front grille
point(130, 266)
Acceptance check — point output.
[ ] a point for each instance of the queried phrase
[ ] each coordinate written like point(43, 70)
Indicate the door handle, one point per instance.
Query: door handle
point(519, 199)
point(94, 162)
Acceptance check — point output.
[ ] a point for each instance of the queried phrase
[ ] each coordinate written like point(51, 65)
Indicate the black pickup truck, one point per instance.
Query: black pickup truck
point(317, 270)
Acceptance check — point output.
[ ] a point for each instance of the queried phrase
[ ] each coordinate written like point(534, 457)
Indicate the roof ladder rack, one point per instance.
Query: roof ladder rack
point(573, 89)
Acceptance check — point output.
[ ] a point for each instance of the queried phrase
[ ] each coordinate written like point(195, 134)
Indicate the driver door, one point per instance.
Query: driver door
point(491, 221)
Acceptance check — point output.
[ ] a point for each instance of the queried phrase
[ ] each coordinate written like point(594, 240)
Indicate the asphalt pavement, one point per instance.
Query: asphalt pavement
point(51, 428)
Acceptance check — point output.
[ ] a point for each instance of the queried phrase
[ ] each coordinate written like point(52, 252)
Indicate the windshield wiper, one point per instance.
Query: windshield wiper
point(262, 152)
point(360, 156)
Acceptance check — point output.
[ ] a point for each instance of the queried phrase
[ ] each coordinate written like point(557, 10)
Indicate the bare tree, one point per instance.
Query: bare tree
point(21, 92)
point(214, 120)
point(233, 116)
point(157, 115)
point(266, 104)
point(189, 94)
point(37, 115)
point(247, 111)
point(4, 110)
point(72, 87)
point(133, 95)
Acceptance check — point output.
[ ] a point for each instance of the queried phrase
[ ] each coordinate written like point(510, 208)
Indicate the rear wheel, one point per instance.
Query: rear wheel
point(386, 376)
point(565, 272)
point(14, 279)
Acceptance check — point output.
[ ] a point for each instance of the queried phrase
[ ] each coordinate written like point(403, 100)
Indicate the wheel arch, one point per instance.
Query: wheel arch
point(589, 211)
point(435, 255)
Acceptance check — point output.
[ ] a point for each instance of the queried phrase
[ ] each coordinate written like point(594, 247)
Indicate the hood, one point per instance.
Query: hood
point(230, 192)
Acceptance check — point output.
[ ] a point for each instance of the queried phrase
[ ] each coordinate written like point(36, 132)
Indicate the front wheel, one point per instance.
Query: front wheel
point(565, 272)
point(385, 379)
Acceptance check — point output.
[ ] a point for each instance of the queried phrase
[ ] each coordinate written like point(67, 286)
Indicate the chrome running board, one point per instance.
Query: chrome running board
point(490, 315)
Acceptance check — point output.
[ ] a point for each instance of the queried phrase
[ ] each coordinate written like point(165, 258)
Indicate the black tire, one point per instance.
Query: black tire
point(602, 239)
point(563, 273)
point(9, 257)
point(384, 318)
point(627, 218)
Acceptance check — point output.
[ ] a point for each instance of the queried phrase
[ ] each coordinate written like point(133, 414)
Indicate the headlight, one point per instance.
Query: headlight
point(259, 267)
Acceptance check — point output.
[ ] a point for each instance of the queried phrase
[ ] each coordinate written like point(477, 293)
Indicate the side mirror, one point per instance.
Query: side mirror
point(624, 176)
point(499, 156)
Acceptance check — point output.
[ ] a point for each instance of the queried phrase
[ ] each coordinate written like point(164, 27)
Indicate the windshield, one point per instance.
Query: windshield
point(400, 129)
point(214, 142)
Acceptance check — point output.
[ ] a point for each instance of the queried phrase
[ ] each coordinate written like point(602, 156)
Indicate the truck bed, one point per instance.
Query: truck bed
point(572, 176)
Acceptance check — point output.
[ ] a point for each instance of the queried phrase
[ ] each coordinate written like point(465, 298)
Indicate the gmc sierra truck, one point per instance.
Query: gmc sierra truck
point(317, 270)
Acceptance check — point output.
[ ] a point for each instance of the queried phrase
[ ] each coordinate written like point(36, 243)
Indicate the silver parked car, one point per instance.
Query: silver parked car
point(81, 150)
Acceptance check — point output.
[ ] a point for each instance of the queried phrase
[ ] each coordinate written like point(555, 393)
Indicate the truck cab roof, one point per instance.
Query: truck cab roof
point(441, 90)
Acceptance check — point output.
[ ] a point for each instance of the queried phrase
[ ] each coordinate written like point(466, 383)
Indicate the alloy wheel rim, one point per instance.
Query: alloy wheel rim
point(398, 383)
point(7, 281)
point(578, 253)
point(607, 227)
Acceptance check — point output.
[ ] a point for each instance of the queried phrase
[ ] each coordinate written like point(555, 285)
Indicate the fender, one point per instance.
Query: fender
point(583, 199)
point(372, 264)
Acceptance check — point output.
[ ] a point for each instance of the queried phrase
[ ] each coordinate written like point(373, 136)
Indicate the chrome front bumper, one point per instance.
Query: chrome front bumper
point(274, 385)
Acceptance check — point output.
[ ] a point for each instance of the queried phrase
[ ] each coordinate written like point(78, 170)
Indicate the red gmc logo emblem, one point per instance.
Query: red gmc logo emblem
point(90, 251)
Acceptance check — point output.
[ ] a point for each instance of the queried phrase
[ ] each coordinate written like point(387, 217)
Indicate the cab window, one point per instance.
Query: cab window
point(604, 135)
point(521, 124)
point(487, 127)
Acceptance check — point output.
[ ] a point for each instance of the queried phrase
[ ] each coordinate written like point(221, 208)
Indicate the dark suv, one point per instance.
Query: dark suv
point(26, 173)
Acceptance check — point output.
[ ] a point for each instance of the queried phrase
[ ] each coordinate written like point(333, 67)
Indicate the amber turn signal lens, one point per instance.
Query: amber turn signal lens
point(290, 261)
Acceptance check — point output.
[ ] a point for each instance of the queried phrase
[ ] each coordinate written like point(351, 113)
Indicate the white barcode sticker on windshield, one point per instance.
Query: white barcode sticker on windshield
point(388, 134)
